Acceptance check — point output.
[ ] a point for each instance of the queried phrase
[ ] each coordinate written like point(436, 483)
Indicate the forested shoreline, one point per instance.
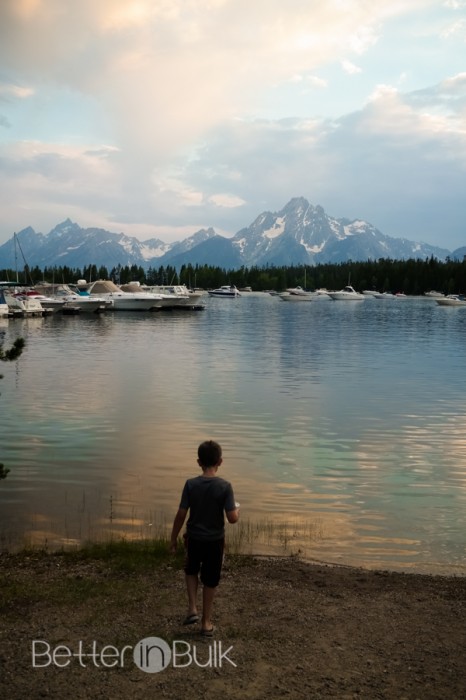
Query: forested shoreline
point(412, 277)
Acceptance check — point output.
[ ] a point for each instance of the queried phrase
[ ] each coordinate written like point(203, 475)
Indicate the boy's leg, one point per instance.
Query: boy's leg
point(210, 577)
point(191, 570)
point(208, 595)
point(191, 586)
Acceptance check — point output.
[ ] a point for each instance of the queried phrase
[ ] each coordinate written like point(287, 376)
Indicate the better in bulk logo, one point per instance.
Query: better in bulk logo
point(151, 655)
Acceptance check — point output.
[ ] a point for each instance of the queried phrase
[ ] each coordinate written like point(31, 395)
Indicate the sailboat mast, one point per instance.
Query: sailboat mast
point(27, 274)
point(16, 257)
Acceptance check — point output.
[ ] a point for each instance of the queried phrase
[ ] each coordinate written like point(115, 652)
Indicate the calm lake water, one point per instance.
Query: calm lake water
point(342, 423)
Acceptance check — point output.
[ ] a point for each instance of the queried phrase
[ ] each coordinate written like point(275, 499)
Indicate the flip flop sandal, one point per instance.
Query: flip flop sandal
point(191, 619)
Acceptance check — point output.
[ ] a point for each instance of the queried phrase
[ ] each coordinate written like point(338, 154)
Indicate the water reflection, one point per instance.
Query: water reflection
point(341, 426)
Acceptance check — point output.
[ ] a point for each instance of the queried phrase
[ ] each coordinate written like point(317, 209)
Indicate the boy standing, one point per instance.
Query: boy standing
point(207, 497)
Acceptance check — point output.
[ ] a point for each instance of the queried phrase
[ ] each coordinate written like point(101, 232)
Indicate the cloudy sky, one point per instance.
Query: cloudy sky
point(160, 117)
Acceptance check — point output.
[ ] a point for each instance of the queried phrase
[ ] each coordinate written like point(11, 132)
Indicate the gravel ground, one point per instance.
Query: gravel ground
point(284, 628)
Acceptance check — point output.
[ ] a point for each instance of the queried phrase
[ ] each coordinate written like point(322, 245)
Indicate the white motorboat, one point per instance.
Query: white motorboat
point(384, 295)
point(73, 299)
point(173, 295)
point(433, 294)
point(180, 292)
point(123, 301)
point(452, 300)
point(297, 291)
point(20, 304)
point(348, 293)
point(48, 303)
point(297, 294)
point(227, 291)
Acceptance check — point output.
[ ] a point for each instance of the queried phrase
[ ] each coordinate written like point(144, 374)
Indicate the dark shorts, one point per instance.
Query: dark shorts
point(204, 557)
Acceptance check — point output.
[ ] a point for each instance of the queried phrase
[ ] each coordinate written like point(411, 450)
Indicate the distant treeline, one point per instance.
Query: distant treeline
point(408, 276)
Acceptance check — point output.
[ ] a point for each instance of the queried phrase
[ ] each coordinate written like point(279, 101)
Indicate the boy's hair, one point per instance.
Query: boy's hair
point(209, 453)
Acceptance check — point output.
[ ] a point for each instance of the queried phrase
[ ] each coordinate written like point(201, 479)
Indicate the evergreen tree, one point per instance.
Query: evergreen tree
point(8, 356)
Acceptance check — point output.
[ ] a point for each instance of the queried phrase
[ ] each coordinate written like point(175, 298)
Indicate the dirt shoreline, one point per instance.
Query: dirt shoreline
point(293, 629)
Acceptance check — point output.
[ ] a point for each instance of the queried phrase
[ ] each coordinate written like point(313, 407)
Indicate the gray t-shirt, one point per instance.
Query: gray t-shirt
point(207, 498)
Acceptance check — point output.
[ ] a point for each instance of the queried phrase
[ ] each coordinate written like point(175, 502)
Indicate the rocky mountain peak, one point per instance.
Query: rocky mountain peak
point(299, 233)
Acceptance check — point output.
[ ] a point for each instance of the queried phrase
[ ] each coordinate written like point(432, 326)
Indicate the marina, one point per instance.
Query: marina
point(93, 298)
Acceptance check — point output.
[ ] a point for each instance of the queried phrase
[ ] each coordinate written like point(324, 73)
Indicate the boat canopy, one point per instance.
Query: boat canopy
point(104, 287)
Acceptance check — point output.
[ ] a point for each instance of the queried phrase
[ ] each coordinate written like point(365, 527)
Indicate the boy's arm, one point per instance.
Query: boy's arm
point(231, 507)
point(232, 515)
point(177, 525)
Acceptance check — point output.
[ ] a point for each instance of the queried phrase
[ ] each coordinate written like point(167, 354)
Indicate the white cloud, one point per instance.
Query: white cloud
point(180, 191)
point(226, 200)
point(9, 90)
point(457, 28)
point(317, 82)
point(455, 4)
point(349, 67)
point(365, 37)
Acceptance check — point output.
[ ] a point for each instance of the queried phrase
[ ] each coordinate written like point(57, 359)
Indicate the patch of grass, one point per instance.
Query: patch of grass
point(288, 537)
point(127, 556)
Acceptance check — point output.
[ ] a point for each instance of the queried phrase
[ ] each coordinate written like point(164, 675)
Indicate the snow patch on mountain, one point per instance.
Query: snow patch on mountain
point(276, 230)
point(313, 249)
point(154, 251)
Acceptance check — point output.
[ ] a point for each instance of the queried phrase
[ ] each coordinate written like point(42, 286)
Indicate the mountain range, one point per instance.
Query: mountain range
point(300, 233)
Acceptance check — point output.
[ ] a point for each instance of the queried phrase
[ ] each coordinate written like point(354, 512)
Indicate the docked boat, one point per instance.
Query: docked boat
point(384, 295)
point(433, 294)
point(48, 303)
point(297, 294)
point(348, 293)
point(73, 300)
point(227, 291)
point(452, 300)
point(180, 291)
point(173, 295)
point(20, 304)
point(123, 301)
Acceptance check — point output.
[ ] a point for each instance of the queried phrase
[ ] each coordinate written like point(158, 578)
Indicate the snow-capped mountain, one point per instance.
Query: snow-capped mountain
point(300, 233)
point(69, 244)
